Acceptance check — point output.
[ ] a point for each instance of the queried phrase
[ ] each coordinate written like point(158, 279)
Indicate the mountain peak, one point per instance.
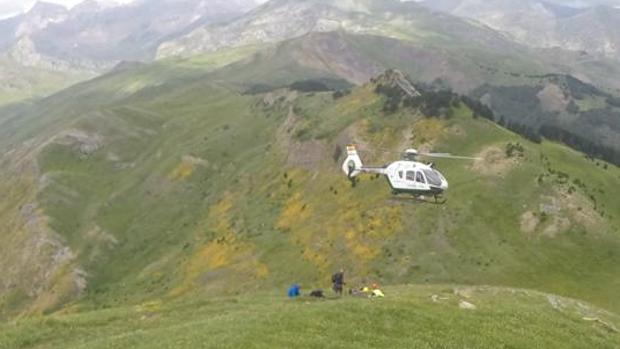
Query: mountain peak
point(89, 6)
point(47, 9)
point(395, 78)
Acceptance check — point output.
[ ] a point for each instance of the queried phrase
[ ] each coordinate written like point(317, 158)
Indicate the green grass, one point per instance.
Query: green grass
point(197, 191)
point(22, 83)
point(407, 318)
point(218, 59)
point(199, 205)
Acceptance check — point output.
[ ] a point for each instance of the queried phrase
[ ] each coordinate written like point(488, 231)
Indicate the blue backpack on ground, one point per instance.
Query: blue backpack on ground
point(294, 291)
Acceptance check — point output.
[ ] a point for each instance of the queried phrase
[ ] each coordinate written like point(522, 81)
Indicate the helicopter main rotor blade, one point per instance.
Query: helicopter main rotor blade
point(448, 156)
point(378, 150)
point(430, 155)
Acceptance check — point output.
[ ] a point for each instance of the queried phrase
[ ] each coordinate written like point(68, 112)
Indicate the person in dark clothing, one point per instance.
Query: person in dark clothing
point(338, 282)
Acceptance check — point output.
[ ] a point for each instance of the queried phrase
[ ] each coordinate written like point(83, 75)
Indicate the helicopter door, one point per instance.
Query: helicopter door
point(419, 178)
point(411, 183)
point(415, 180)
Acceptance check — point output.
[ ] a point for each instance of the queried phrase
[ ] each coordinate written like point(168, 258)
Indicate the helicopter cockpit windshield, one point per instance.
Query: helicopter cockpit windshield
point(433, 177)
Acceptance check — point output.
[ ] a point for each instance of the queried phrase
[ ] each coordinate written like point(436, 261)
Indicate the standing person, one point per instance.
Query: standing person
point(338, 282)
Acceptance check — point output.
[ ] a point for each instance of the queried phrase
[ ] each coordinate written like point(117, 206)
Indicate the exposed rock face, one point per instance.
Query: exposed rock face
point(285, 19)
point(396, 78)
point(40, 17)
point(272, 23)
point(25, 53)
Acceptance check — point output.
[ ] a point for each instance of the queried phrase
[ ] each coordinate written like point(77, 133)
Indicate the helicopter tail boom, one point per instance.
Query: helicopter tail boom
point(353, 165)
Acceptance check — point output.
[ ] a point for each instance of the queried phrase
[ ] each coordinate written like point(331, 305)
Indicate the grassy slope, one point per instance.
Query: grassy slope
point(198, 191)
point(191, 192)
point(407, 318)
point(476, 237)
point(21, 83)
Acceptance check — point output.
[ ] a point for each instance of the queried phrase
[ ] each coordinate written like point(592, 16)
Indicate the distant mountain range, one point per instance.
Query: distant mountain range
point(459, 44)
point(285, 19)
point(594, 29)
point(50, 47)
point(94, 35)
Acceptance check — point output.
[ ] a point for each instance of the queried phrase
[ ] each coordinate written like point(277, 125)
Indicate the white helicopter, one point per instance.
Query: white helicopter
point(407, 176)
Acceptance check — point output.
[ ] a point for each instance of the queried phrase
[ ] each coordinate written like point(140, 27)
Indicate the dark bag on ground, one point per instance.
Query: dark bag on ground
point(317, 294)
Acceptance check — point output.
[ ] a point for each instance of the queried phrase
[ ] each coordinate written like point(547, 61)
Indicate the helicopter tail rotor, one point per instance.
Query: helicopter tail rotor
point(352, 165)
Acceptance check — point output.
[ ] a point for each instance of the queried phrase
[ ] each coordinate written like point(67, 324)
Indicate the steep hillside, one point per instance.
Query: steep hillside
point(350, 40)
point(19, 83)
point(557, 106)
point(409, 317)
point(162, 181)
point(357, 58)
point(561, 108)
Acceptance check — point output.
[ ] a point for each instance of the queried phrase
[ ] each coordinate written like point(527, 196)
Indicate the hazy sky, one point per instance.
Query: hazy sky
point(12, 7)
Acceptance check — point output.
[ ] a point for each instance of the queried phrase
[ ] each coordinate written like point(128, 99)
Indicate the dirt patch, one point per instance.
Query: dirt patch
point(464, 292)
point(557, 225)
point(467, 306)
point(552, 98)
point(529, 222)
point(560, 212)
point(196, 161)
point(494, 162)
point(580, 210)
point(84, 143)
point(285, 95)
point(304, 154)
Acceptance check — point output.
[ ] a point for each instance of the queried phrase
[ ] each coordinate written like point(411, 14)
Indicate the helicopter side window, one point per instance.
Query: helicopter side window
point(411, 176)
point(419, 177)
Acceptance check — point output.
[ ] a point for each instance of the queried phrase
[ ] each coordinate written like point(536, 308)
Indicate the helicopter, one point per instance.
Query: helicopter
point(407, 176)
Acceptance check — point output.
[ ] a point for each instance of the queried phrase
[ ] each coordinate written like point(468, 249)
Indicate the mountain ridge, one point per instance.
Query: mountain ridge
point(544, 24)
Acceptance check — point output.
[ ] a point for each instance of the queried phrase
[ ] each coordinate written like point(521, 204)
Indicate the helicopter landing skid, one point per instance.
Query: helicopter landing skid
point(434, 200)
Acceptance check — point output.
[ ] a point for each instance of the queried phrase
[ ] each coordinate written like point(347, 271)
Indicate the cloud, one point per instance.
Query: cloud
point(8, 7)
